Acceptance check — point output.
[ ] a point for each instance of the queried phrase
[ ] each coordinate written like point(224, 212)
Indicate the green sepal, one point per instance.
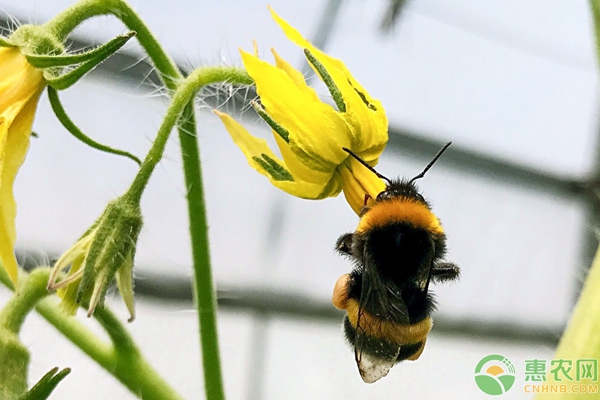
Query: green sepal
point(62, 116)
point(4, 42)
point(106, 229)
point(67, 80)
point(99, 54)
point(273, 168)
point(364, 99)
point(280, 130)
point(336, 94)
point(46, 385)
point(113, 246)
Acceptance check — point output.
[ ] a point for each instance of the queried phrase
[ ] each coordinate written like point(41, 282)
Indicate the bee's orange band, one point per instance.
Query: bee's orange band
point(394, 332)
point(400, 210)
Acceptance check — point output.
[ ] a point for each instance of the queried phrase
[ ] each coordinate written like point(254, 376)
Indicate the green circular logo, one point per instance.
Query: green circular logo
point(494, 374)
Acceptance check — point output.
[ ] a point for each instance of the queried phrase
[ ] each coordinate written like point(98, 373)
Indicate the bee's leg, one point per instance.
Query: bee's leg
point(365, 208)
point(344, 244)
point(444, 271)
point(339, 298)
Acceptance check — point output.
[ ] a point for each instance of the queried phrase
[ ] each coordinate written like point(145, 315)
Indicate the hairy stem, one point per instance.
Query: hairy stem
point(121, 358)
point(182, 111)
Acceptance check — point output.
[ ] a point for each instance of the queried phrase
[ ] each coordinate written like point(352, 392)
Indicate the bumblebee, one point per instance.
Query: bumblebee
point(398, 249)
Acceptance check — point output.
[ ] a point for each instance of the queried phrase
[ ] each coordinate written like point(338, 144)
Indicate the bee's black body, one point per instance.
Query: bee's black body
point(397, 249)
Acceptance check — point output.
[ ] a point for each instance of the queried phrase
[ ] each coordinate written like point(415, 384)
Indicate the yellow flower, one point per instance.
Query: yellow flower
point(20, 88)
point(74, 260)
point(310, 133)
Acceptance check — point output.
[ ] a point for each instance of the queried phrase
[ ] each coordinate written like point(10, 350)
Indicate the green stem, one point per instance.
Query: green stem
point(62, 25)
point(182, 110)
point(204, 291)
point(32, 290)
point(129, 365)
point(121, 358)
point(183, 100)
point(13, 353)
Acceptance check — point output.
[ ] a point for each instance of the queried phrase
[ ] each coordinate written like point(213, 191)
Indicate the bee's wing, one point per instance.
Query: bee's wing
point(372, 368)
point(384, 301)
point(382, 298)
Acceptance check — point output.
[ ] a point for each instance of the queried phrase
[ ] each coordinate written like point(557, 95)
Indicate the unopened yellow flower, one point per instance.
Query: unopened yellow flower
point(20, 89)
point(73, 260)
point(310, 133)
point(104, 252)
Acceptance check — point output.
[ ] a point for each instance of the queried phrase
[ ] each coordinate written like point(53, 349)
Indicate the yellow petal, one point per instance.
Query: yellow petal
point(309, 191)
point(7, 225)
point(364, 113)
point(19, 81)
point(11, 61)
point(358, 181)
point(20, 88)
point(317, 131)
point(301, 171)
point(71, 260)
point(262, 159)
point(68, 294)
point(14, 143)
point(295, 75)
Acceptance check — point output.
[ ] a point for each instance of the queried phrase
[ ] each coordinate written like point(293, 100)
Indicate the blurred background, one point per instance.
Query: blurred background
point(513, 84)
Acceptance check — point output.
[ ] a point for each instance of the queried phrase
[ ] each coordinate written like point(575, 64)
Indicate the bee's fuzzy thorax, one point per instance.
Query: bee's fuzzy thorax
point(400, 209)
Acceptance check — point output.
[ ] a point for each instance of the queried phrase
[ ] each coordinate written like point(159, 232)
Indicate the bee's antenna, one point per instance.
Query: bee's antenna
point(363, 162)
point(438, 155)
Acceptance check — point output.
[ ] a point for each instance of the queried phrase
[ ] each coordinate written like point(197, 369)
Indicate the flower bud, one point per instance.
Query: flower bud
point(105, 251)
